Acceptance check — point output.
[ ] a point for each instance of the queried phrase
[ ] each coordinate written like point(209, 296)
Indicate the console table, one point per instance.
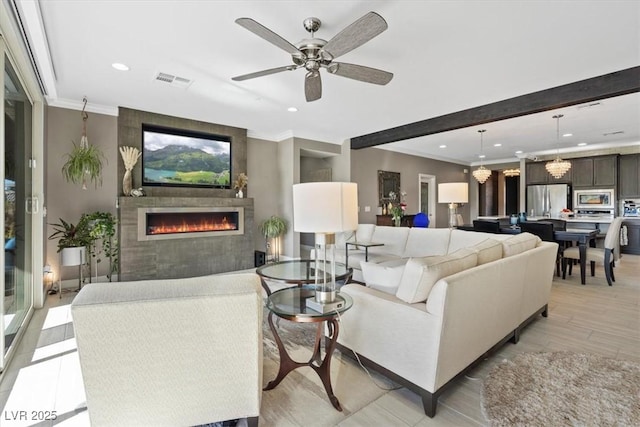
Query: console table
point(407, 220)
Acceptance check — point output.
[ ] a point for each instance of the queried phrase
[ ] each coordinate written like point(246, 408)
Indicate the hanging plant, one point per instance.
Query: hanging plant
point(84, 161)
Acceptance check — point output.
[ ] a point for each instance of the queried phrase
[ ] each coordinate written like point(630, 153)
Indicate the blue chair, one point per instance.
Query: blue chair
point(421, 220)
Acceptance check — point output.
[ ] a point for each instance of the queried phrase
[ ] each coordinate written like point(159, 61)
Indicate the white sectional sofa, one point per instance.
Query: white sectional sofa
point(436, 301)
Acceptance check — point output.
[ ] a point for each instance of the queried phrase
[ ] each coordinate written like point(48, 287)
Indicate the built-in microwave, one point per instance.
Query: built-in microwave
point(594, 199)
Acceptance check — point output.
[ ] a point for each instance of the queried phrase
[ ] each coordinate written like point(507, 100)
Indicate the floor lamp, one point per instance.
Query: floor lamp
point(453, 193)
point(325, 208)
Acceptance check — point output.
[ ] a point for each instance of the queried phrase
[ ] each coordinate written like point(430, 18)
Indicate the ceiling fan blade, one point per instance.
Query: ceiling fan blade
point(313, 86)
point(356, 34)
point(262, 31)
point(359, 72)
point(264, 73)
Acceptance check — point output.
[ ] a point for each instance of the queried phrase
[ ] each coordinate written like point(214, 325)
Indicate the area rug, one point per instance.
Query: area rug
point(562, 388)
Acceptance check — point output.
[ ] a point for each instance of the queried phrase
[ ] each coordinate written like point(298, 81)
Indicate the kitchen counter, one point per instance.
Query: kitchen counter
point(585, 220)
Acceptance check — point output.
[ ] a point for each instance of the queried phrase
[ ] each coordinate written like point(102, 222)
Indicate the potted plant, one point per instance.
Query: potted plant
point(72, 243)
point(102, 226)
point(272, 228)
point(84, 161)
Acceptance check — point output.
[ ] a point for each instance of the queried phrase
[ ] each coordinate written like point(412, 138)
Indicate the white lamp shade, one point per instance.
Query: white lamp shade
point(325, 207)
point(72, 256)
point(453, 192)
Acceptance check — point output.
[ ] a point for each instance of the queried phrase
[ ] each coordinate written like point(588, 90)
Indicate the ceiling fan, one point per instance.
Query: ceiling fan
point(313, 54)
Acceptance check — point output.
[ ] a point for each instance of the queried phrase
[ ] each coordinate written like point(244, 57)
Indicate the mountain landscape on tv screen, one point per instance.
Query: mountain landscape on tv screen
point(177, 164)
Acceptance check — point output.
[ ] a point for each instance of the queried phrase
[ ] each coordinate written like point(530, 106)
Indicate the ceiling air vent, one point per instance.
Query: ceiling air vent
point(618, 132)
point(176, 81)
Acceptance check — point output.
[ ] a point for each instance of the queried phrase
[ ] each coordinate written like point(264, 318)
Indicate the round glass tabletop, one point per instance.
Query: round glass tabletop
point(299, 271)
point(291, 303)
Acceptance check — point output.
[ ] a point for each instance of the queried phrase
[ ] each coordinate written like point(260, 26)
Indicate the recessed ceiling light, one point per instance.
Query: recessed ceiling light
point(567, 134)
point(497, 145)
point(519, 152)
point(582, 144)
point(443, 146)
point(120, 67)
point(482, 156)
point(292, 109)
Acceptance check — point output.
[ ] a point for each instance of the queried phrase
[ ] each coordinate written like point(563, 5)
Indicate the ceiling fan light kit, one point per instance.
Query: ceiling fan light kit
point(314, 53)
point(558, 167)
point(481, 174)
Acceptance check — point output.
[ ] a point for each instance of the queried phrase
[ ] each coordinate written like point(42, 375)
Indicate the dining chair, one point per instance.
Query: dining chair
point(486, 226)
point(607, 255)
point(544, 230)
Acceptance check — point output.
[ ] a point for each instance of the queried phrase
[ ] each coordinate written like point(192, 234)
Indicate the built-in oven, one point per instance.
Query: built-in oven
point(594, 199)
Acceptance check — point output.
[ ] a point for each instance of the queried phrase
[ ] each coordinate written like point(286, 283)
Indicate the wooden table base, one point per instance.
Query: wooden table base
point(321, 366)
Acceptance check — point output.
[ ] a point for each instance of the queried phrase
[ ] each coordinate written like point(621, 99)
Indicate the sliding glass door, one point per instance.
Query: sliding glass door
point(17, 207)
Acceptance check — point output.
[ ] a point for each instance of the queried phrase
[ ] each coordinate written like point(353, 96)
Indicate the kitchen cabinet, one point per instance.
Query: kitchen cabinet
point(633, 236)
point(595, 171)
point(629, 178)
point(537, 174)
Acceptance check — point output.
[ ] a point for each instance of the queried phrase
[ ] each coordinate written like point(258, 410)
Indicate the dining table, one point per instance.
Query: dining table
point(582, 237)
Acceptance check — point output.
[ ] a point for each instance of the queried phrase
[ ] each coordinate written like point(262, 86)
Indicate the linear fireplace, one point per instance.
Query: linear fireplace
point(188, 222)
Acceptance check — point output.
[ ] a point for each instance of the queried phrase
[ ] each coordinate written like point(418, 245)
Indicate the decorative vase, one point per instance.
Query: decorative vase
point(239, 194)
point(397, 220)
point(127, 184)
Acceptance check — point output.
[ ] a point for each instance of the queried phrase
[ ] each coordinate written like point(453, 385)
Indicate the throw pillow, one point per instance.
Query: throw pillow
point(420, 274)
point(519, 243)
point(384, 278)
point(488, 250)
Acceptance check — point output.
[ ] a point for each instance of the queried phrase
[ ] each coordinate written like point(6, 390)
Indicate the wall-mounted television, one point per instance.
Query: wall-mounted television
point(184, 158)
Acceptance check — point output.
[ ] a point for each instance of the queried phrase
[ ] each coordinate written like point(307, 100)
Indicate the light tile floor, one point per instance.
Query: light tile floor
point(45, 374)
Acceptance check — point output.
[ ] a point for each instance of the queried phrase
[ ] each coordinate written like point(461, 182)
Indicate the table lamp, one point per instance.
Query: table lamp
point(453, 193)
point(325, 208)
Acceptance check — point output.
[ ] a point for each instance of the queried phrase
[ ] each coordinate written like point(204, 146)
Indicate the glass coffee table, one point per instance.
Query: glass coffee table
point(298, 272)
point(290, 304)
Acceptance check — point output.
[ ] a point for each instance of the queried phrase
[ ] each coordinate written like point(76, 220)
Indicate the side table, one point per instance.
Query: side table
point(365, 245)
point(290, 304)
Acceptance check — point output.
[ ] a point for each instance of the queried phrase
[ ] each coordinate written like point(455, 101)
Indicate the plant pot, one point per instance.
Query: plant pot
point(72, 256)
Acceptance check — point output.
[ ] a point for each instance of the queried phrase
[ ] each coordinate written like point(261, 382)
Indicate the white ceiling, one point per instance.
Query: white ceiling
point(446, 56)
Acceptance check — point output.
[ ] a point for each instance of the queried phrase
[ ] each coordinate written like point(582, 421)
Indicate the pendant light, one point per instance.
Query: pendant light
point(482, 173)
point(511, 172)
point(558, 167)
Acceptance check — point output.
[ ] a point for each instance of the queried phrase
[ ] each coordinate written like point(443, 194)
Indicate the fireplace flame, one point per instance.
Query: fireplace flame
point(186, 227)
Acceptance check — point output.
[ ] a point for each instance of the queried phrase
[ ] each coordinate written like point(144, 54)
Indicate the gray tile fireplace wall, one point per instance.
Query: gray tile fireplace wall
point(193, 255)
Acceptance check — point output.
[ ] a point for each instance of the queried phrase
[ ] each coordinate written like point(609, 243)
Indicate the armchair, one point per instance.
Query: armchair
point(171, 352)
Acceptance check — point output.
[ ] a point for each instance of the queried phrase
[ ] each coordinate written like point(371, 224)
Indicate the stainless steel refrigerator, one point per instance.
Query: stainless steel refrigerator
point(548, 200)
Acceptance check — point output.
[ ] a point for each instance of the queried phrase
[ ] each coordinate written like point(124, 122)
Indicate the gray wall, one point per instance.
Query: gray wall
point(264, 177)
point(365, 164)
point(68, 201)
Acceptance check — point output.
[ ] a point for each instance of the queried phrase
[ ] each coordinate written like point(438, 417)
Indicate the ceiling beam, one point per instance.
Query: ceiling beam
point(606, 86)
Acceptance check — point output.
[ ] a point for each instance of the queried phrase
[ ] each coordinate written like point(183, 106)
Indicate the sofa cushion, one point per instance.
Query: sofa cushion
point(358, 256)
point(519, 243)
point(420, 274)
point(383, 277)
point(488, 250)
point(344, 237)
point(394, 239)
point(464, 239)
point(427, 242)
point(364, 233)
